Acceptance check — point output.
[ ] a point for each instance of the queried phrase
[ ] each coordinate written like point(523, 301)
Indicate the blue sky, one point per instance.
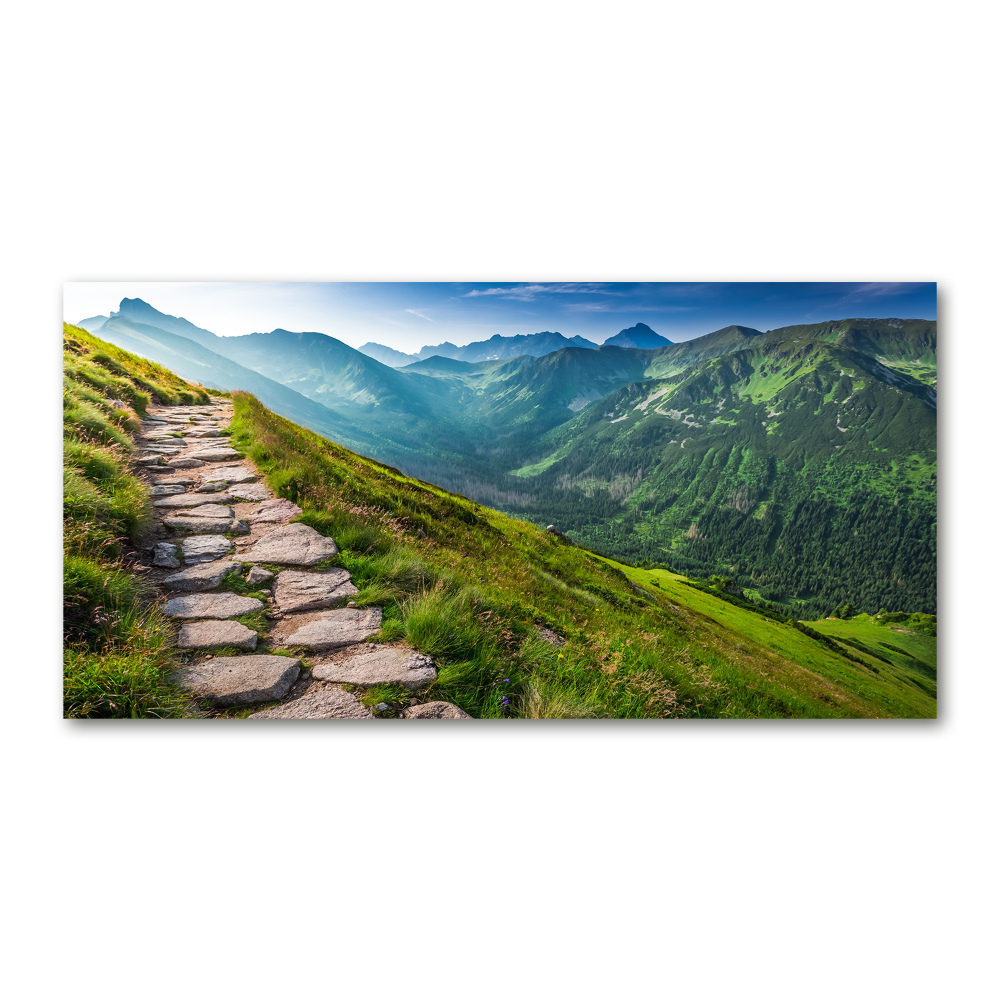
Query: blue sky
point(408, 315)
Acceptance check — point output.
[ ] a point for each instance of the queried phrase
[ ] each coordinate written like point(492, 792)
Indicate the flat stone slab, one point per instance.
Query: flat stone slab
point(277, 510)
point(209, 524)
point(328, 630)
point(185, 500)
point(165, 554)
point(321, 701)
point(166, 490)
point(205, 548)
point(202, 432)
point(203, 576)
point(291, 545)
point(370, 665)
point(297, 590)
point(149, 460)
point(204, 635)
point(185, 463)
point(229, 475)
point(258, 575)
point(177, 481)
point(210, 606)
point(207, 510)
point(240, 680)
point(251, 492)
point(216, 454)
point(435, 710)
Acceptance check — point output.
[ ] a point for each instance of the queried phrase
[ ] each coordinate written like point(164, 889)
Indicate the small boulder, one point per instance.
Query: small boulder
point(259, 575)
point(165, 554)
point(185, 463)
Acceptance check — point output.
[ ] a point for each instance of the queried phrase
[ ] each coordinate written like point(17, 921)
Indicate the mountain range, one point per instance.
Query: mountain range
point(535, 345)
point(799, 461)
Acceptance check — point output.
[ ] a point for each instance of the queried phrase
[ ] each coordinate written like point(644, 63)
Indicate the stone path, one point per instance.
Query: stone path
point(214, 517)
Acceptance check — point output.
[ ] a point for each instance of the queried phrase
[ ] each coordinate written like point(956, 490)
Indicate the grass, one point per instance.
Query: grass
point(118, 646)
point(474, 591)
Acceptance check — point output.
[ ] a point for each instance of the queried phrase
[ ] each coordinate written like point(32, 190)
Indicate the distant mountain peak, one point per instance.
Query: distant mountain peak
point(639, 336)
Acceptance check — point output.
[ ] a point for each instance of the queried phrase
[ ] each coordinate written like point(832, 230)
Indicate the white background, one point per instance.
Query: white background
point(522, 141)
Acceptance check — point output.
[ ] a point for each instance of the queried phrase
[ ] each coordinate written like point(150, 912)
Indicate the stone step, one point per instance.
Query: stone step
point(328, 630)
point(300, 590)
point(186, 500)
point(240, 680)
point(435, 710)
point(215, 454)
point(291, 545)
point(251, 493)
point(228, 474)
point(206, 509)
point(203, 576)
point(276, 510)
point(321, 701)
point(205, 525)
point(368, 665)
point(204, 548)
point(210, 606)
point(205, 635)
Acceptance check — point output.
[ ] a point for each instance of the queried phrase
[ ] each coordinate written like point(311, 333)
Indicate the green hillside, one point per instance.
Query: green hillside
point(521, 623)
point(474, 592)
point(804, 469)
point(117, 645)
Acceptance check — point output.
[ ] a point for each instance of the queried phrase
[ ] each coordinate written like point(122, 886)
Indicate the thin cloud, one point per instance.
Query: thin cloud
point(526, 293)
point(420, 314)
point(879, 289)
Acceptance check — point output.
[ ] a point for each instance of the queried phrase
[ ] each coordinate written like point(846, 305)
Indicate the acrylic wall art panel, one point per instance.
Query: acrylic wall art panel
point(507, 500)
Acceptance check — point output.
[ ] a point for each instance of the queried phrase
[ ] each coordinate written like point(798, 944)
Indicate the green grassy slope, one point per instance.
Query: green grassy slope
point(117, 645)
point(904, 687)
point(474, 592)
